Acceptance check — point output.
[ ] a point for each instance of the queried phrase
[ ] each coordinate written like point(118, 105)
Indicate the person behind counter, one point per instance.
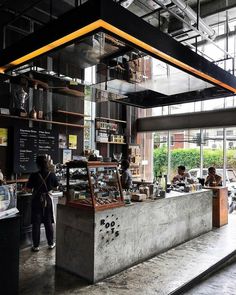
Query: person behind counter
point(212, 178)
point(182, 175)
point(42, 207)
point(126, 176)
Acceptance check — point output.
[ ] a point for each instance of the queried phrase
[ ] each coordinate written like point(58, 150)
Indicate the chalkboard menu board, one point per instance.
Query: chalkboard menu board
point(29, 143)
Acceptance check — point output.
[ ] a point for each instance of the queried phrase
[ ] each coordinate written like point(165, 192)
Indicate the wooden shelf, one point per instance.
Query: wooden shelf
point(20, 180)
point(105, 130)
point(109, 119)
point(72, 113)
point(110, 142)
point(43, 121)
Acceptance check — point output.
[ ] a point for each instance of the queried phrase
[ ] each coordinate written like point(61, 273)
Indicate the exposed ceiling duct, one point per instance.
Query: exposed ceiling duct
point(155, 5)
point(191, 14)
point(126, 3)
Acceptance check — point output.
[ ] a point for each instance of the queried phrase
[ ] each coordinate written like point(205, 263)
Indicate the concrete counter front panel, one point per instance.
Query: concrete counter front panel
point(97, 245)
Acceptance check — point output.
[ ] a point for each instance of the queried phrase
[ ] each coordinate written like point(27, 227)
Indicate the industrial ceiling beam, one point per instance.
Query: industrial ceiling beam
point(208, 119)
point(108, 16)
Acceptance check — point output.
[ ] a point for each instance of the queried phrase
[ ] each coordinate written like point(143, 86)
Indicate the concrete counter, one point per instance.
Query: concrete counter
point(97, 245)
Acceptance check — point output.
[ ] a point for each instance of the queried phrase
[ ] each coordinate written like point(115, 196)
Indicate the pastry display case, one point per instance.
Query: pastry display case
point(8, 200)
point(93, 185)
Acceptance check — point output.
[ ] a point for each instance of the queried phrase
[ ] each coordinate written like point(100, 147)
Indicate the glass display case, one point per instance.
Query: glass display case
point(93, 185)
point(8, 200)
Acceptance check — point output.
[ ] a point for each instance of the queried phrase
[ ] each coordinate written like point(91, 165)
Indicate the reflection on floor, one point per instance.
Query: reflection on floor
point(160, 275)
point(222, 283)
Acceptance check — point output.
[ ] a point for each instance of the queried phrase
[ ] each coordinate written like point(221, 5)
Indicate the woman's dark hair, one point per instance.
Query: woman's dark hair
point(181, 167)
point(125, 164)
point(42, 163)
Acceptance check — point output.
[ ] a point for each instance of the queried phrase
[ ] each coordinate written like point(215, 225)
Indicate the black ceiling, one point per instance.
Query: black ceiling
point(20, 18)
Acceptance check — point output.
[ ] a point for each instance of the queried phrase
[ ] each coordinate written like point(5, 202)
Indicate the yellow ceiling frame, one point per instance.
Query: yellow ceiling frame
point(100, 24)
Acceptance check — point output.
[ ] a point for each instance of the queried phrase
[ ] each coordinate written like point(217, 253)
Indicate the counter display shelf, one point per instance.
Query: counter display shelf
point(93, 185)
point(109, 131)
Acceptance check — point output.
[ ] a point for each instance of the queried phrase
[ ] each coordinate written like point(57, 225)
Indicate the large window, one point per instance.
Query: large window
point(185, 150)
point(231, 147)
point(197, 150)
point(213, 154)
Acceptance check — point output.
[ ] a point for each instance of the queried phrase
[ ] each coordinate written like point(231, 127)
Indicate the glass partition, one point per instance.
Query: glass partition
point(160, 153)
point(185, 150)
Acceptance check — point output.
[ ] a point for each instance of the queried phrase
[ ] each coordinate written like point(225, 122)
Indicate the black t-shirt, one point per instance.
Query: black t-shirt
point(35, 182)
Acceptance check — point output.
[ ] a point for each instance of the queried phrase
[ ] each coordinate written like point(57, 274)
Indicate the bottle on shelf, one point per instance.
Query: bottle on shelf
point(33, 113)
point(162, 186)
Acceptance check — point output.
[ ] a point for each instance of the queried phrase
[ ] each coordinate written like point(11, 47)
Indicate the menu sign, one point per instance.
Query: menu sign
point(29, 143)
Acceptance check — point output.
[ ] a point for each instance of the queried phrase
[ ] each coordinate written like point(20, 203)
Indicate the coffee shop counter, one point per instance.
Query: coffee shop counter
point(95, 245)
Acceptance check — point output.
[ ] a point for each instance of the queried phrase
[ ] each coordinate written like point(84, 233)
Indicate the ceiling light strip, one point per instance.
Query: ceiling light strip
point(78, 33)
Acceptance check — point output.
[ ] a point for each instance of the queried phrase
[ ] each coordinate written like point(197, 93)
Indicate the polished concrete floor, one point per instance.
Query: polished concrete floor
point(160, 275)
point(221, 283)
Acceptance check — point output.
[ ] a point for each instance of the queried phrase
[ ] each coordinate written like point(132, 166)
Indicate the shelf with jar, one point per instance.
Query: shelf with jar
point(134, 154)
point(93, 185)
point(109, 131)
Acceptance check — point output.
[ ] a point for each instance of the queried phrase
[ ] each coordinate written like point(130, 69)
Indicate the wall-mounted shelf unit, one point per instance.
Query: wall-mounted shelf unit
point(43, 121)
point(110, 119)
point(134, 154)
point(110, 131)
point(72, 113)
point(110, 142)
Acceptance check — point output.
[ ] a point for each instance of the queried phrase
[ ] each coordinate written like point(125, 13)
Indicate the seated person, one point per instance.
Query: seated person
point(126, 176)
point(182, 175)
point(212, 178)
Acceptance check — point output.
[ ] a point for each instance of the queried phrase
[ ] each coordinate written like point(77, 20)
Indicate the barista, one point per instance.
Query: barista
point(182, 175)
point(126, 176)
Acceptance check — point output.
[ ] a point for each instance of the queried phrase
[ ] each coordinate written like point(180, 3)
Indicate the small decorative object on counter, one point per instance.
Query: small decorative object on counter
point(127, 196)
point(146, 191)
point(162, 194)
point(138, 197)
point(187, 188)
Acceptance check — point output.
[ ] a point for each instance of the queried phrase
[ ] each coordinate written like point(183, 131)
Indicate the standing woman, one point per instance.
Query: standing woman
point(42, 207)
